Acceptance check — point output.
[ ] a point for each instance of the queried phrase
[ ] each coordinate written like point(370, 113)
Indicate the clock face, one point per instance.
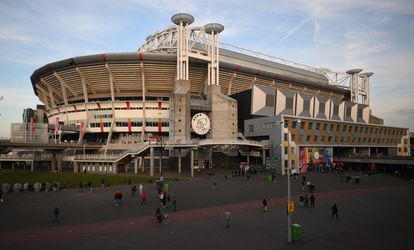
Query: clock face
point(316, 155)
point(200, 123)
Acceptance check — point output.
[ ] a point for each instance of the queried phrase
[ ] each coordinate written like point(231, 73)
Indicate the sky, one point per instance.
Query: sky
point(375, 35)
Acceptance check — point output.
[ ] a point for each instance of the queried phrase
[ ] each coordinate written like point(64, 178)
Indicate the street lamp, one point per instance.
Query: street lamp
point(289, 169)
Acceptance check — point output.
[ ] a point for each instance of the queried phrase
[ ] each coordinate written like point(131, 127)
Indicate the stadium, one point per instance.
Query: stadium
point(186, 100)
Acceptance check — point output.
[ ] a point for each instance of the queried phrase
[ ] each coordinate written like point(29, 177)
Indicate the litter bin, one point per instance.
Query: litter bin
point(269, 178)
point(296, 232)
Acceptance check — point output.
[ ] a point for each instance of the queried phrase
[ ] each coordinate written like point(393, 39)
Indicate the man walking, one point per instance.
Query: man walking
point(56, 215)
point(334, 209)
point(312, 200)
point(228, 215)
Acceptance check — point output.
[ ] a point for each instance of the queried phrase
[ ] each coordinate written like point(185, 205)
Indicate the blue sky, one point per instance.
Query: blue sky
point(374, 35)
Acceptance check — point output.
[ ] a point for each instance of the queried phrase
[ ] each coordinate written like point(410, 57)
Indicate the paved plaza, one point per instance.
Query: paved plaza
point(374, 214)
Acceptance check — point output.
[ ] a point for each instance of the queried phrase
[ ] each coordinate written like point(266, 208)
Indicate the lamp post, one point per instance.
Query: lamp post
point(289, 169)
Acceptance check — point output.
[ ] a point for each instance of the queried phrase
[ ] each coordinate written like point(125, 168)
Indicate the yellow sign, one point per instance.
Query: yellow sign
point(291, 207)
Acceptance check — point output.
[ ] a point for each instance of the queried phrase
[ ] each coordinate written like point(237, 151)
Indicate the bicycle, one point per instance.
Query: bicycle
point(165, 220)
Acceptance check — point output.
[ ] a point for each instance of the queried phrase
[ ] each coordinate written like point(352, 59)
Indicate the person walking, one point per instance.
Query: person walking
point(174, 204)
point(306, 200)
point(144, 198)
point(56, 215)
point(227, 214)
point(312, 200)
point(264, 205)
point(90, 187)
point(334, 209)
point(1, 196)
point(140, 188)
point(133, 190)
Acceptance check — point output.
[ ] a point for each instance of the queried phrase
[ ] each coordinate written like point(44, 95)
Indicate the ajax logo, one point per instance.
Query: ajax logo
point(200, 123)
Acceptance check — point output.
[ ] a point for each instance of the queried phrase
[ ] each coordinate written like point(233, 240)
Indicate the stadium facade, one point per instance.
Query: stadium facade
point(190, 100)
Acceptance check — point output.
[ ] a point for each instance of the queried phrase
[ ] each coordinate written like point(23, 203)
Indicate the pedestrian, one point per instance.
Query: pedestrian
point(103, 182)
point(301, 200)
point(312, 200)
point(214, 187)
point(118, 198)
point(264, 205)
point(306, 200)
point(174, 203)
point(1, 196)
point(225, 178)
point(227, 215)
point(161, 183)
point(133, 190)
point(56, 215)
point(90, 187)
point(334, 209)
point(144, 198)
point(140, 188)
point(162, 198)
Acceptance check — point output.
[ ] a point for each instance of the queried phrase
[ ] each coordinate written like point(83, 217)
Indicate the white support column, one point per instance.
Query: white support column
point(32, 166)
point(114, 168)
point(192, 162)
point(59, 163)
point(0, 165)
point(151, 161)
point(142, 163)
point(136, 166)
point(179, 161)
point(144, 119)
point(75, 167)
point(53, 162)
point(12, 165)
point(263, 157)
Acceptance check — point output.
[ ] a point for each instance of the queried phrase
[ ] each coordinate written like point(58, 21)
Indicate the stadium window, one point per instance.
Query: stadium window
point(289, 103)
point(294, 124)
point(336, 109)
point(310, 125)
point(322, 107)
point(318, 126)
point(308, 138)
point(405, 150)
point(360, 111)
point(325, 125)
point(348, 111)
point(306, 105)
point(285, 136)
point(344, 128)
point(302, 125)
point(329, 138)
point(270, 100)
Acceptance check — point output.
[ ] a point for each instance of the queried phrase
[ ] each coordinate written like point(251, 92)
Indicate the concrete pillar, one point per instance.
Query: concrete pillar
point(59, 163)
point(179, 161)
point(53, 162)
point(32, 166)
point(264, 157)
point(151, 161)
point(136, 166)
point(142, 163)
point(192, 162)
point(12, 165)
point(248, 158)
point(0, 165)
point(114, 168)
point(75, 167)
